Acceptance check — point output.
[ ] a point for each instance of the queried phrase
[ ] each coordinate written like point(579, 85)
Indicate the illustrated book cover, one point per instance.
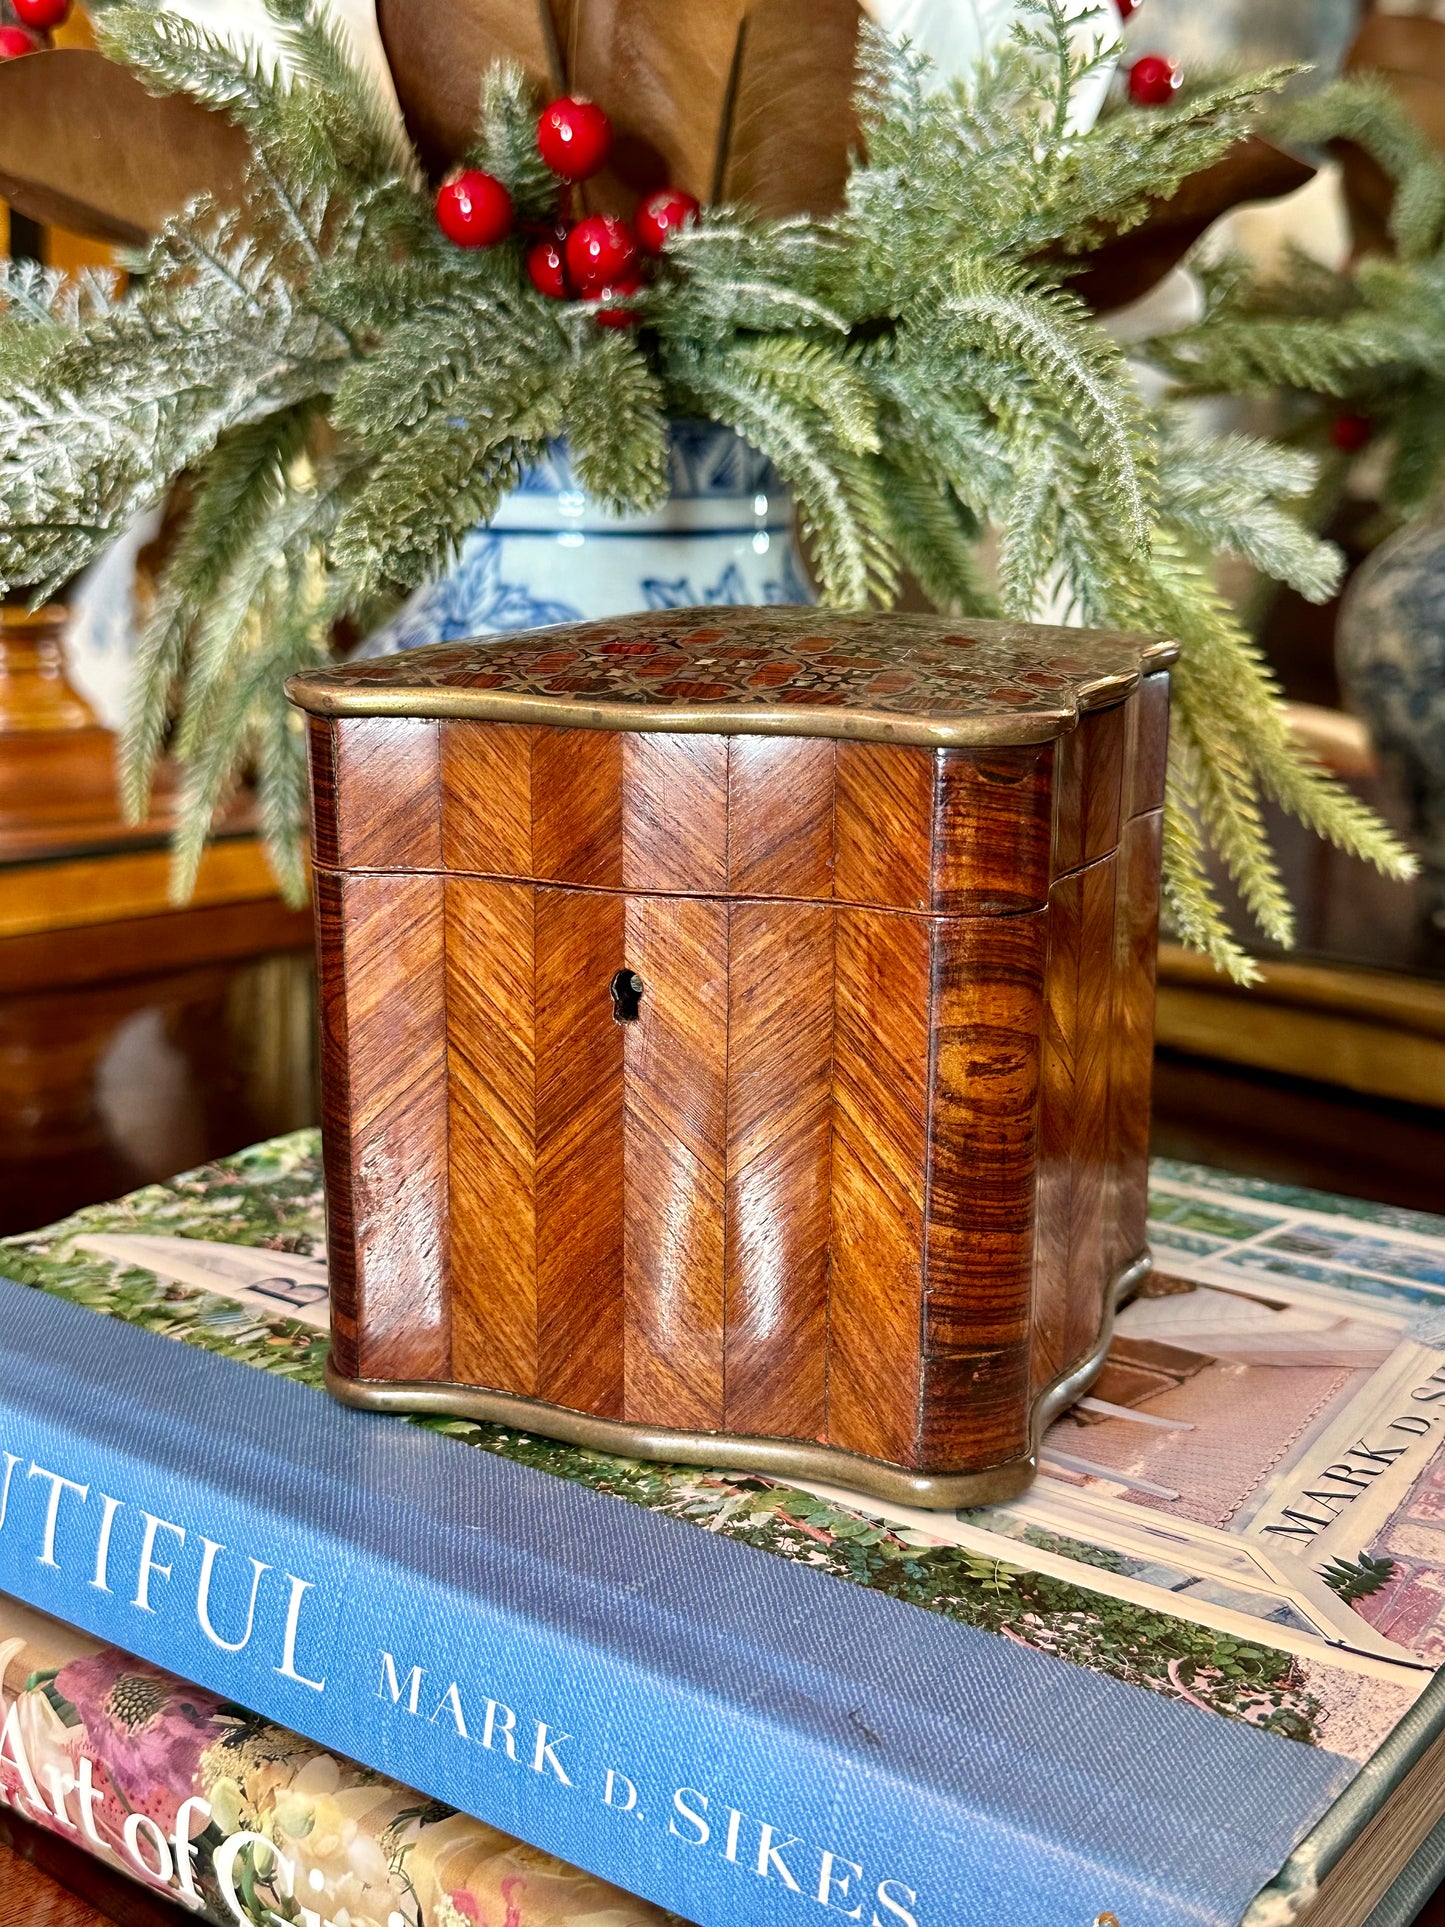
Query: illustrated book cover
point(1216, 1614)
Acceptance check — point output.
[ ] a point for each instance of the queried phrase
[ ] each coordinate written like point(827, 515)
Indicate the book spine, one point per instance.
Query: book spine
point(240, 1821)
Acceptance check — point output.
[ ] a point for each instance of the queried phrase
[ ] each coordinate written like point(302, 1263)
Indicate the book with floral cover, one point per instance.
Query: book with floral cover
point(241, 1821)
point(1243, 1520)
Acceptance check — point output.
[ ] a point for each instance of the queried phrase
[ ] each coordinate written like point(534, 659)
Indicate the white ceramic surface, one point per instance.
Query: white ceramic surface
point(724, 536)
point(958, 34)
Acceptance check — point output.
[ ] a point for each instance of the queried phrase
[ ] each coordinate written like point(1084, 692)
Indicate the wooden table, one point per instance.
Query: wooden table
point(137, 1039)
point(45, 1882)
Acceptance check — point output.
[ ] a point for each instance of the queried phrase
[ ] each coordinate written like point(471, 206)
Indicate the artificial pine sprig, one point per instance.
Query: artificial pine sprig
point(1368, 338)
point(348, 394)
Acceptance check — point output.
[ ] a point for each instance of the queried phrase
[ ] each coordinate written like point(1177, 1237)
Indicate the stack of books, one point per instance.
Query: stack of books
point(295, 1663)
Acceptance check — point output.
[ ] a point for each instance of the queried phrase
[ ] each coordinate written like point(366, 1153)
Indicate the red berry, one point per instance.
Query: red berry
point(17, 40)
point(601, 252)
point(1127, 7)
point(474, 209)
point(574, 138)
point(661, 214)
point(600, 299)
point(1153, 80)
point(547, 266)
point(41, 14)
point(1350, 433)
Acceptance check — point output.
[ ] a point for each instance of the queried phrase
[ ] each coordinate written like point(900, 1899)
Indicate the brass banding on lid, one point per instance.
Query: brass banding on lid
point(926, 680)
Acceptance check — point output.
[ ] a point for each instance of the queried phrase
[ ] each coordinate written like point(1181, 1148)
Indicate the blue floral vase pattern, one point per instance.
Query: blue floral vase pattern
point(725, 535)
point(1391, 652)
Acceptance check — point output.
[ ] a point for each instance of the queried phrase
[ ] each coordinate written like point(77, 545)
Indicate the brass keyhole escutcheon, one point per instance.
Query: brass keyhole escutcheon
point(627, 988)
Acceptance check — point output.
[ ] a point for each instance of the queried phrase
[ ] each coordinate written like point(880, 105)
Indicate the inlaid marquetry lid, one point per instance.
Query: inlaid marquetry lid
point(776, 672)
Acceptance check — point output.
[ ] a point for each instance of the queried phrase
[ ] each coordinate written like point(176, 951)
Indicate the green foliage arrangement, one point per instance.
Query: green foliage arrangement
point(1369, 337)
point(351, 393)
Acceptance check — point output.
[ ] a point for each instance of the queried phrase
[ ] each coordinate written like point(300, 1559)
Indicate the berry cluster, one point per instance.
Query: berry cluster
point(597, 259)
point(35, 19)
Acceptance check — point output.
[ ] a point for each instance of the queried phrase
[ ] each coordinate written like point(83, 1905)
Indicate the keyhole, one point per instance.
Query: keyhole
point(627, 988)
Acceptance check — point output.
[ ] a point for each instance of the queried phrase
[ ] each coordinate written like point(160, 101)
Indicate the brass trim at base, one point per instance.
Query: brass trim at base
point(778, 1458)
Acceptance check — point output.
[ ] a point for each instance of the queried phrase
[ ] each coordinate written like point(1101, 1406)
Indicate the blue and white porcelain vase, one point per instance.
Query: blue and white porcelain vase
point(1390, 646)
point(725, 535)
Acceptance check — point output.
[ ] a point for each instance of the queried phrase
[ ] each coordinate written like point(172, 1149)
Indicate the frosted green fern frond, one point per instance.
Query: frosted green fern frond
point(891, 95)
point(1251, 355)
point(408, 518)
point(741, 273)
point(1029, 531)
point(1366, 111)
point(1105, 180)
point(507, 141)
point(935, 536)
point(1232, 727)
point(616, 425)
point(292, 638)
point(1228, 494)
point(822, 375)
point(287, 534)
point(1077, 371)
point(234, 494)
point(1226, 796)
point(1417, 459)
point(361, 126)
point(838, 495)
point(961, 436)
point(41, 309)
point(281, 785)
point(173, 55)
point(424, 358)
point(1048, 32)
point(1192, 911)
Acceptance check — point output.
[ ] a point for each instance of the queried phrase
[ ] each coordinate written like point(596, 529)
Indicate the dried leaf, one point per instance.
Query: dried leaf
point(663, 70)
point(1125, 269)
point(792, 123)
point(1408, 50)
point(438, 55)
point(84, 146)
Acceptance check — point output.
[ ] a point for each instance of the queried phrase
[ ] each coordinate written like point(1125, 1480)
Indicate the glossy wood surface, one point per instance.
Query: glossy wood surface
point(384, 1095)
point(864, 1161)
point(946, 833)
point(880, 1176)
point(987, 996)
point(45, 1881)
point(387, 780)
point(580, 1197)
point(675, 1069)
point(780, 817)
point(491, 1073)
point(136, 1040)
point(779, 1167)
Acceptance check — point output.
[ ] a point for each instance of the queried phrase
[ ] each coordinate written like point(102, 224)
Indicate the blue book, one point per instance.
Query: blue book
point(902, 1720)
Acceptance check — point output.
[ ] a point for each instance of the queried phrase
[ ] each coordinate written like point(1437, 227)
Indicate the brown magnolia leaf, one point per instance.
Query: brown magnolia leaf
point(1408, 51)
point(439, 53)
point(83, 146)
point(792, 120)
point(663, 70)
point(1126, 268)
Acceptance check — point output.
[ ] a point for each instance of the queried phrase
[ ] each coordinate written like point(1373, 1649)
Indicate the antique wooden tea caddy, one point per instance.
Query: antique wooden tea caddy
point(737, 1032)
